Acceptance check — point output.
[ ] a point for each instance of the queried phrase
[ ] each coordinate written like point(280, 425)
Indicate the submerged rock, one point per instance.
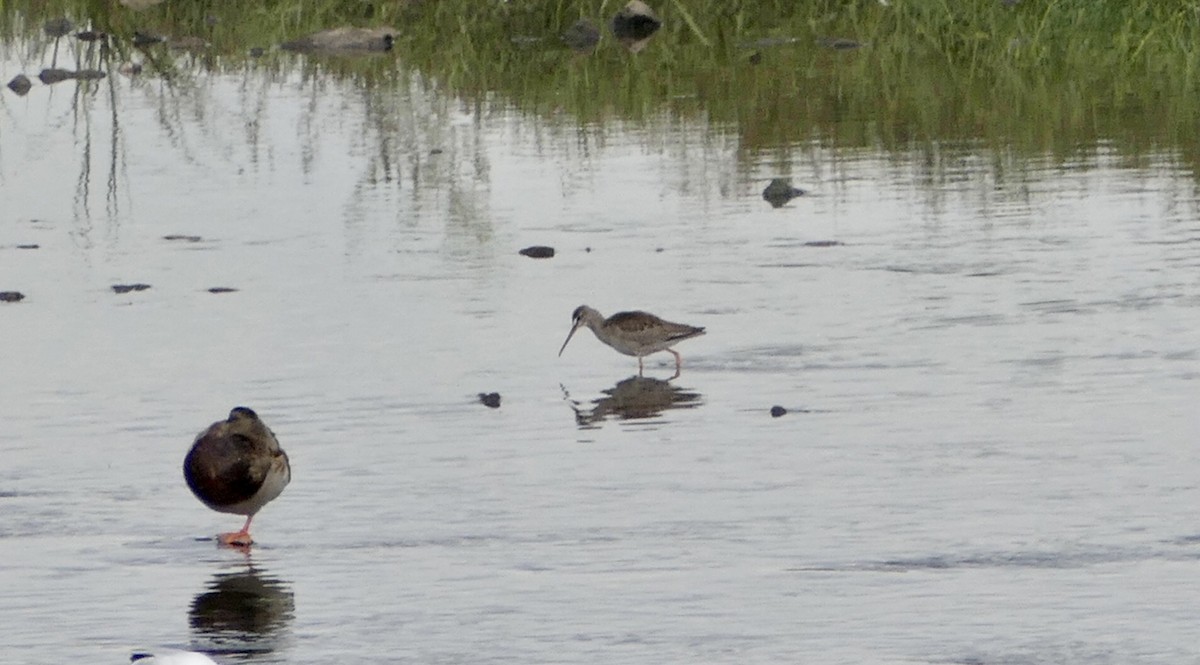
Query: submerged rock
point(490, 400)
point(839, 43)
point(126, 288)
point(187, 43)
point(11, 296)
point(143, 39)
point(58, 27)
point(635, 21)
point(537, 252)
point(49, 76)
point(138, 5)
point(582, 36)
point(777, 411)
point(20, 84)
point(780, 191)
point(343, 40)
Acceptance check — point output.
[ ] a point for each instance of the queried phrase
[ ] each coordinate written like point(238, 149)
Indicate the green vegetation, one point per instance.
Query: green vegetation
point(1037, 76)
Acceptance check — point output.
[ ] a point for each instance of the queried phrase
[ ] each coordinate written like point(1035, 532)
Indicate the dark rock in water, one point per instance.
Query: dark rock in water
point(57, 27)
point(20, 84)
point(222, 289)
point(187, 43)
point(178, 236)
point(436, 151)
point(28, 246)
point(635, 22)
point(490, 400)
point(344, 40)
point(126, 288)
point(13, 296)
point(143, 39)
point(582, 36)
point(780, 191)
point(777, 411)
point(839, 43)
point(90, 36)
point(537, 252)
point(49, 76)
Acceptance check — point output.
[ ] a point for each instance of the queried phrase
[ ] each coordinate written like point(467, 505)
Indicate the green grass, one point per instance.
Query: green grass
point(1042, 76)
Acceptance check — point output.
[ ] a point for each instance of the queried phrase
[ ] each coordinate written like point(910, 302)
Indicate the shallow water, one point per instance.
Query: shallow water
point(990, 371)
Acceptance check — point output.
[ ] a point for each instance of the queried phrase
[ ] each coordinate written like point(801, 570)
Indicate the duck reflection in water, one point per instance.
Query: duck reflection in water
point(242, 612)
point(637, 397)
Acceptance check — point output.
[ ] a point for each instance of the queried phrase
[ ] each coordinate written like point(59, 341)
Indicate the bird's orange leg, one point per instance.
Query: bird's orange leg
point(238, 538)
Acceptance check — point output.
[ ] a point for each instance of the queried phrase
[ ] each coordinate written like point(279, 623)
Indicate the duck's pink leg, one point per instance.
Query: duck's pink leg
point(238, 538)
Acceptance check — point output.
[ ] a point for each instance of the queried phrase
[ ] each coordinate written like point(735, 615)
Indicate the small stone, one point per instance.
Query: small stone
point(537, 252)
point(57, 27)
point(187, 43)
point(20, 84)
point(436, 151)
point(490, 400)
point(582, 36)
point(777, 411)
point(49, 76)
point(11, 296)
point(222, 289)
point(780, 191)
point(344, 39)
point(126, 288)
point(141, 39)
point(635, 22)
point(839, 43)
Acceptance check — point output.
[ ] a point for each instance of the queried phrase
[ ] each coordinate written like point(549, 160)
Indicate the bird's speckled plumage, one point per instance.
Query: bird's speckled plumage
point(633, 333)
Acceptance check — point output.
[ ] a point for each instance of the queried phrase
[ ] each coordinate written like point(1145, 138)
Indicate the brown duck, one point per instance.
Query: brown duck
point(236, 466)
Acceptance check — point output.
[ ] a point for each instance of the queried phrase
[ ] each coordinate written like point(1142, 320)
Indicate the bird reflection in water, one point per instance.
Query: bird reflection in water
point(634, 398)
point(241, 613)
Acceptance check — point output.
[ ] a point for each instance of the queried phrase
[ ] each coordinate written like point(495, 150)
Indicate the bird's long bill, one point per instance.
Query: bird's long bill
point(573, 329)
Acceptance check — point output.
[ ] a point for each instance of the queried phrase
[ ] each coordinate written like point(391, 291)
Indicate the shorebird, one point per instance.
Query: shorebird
point(236, 466)
point(633, 333)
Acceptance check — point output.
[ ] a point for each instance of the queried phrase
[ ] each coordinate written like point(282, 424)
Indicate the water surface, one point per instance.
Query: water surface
point(989, 364)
